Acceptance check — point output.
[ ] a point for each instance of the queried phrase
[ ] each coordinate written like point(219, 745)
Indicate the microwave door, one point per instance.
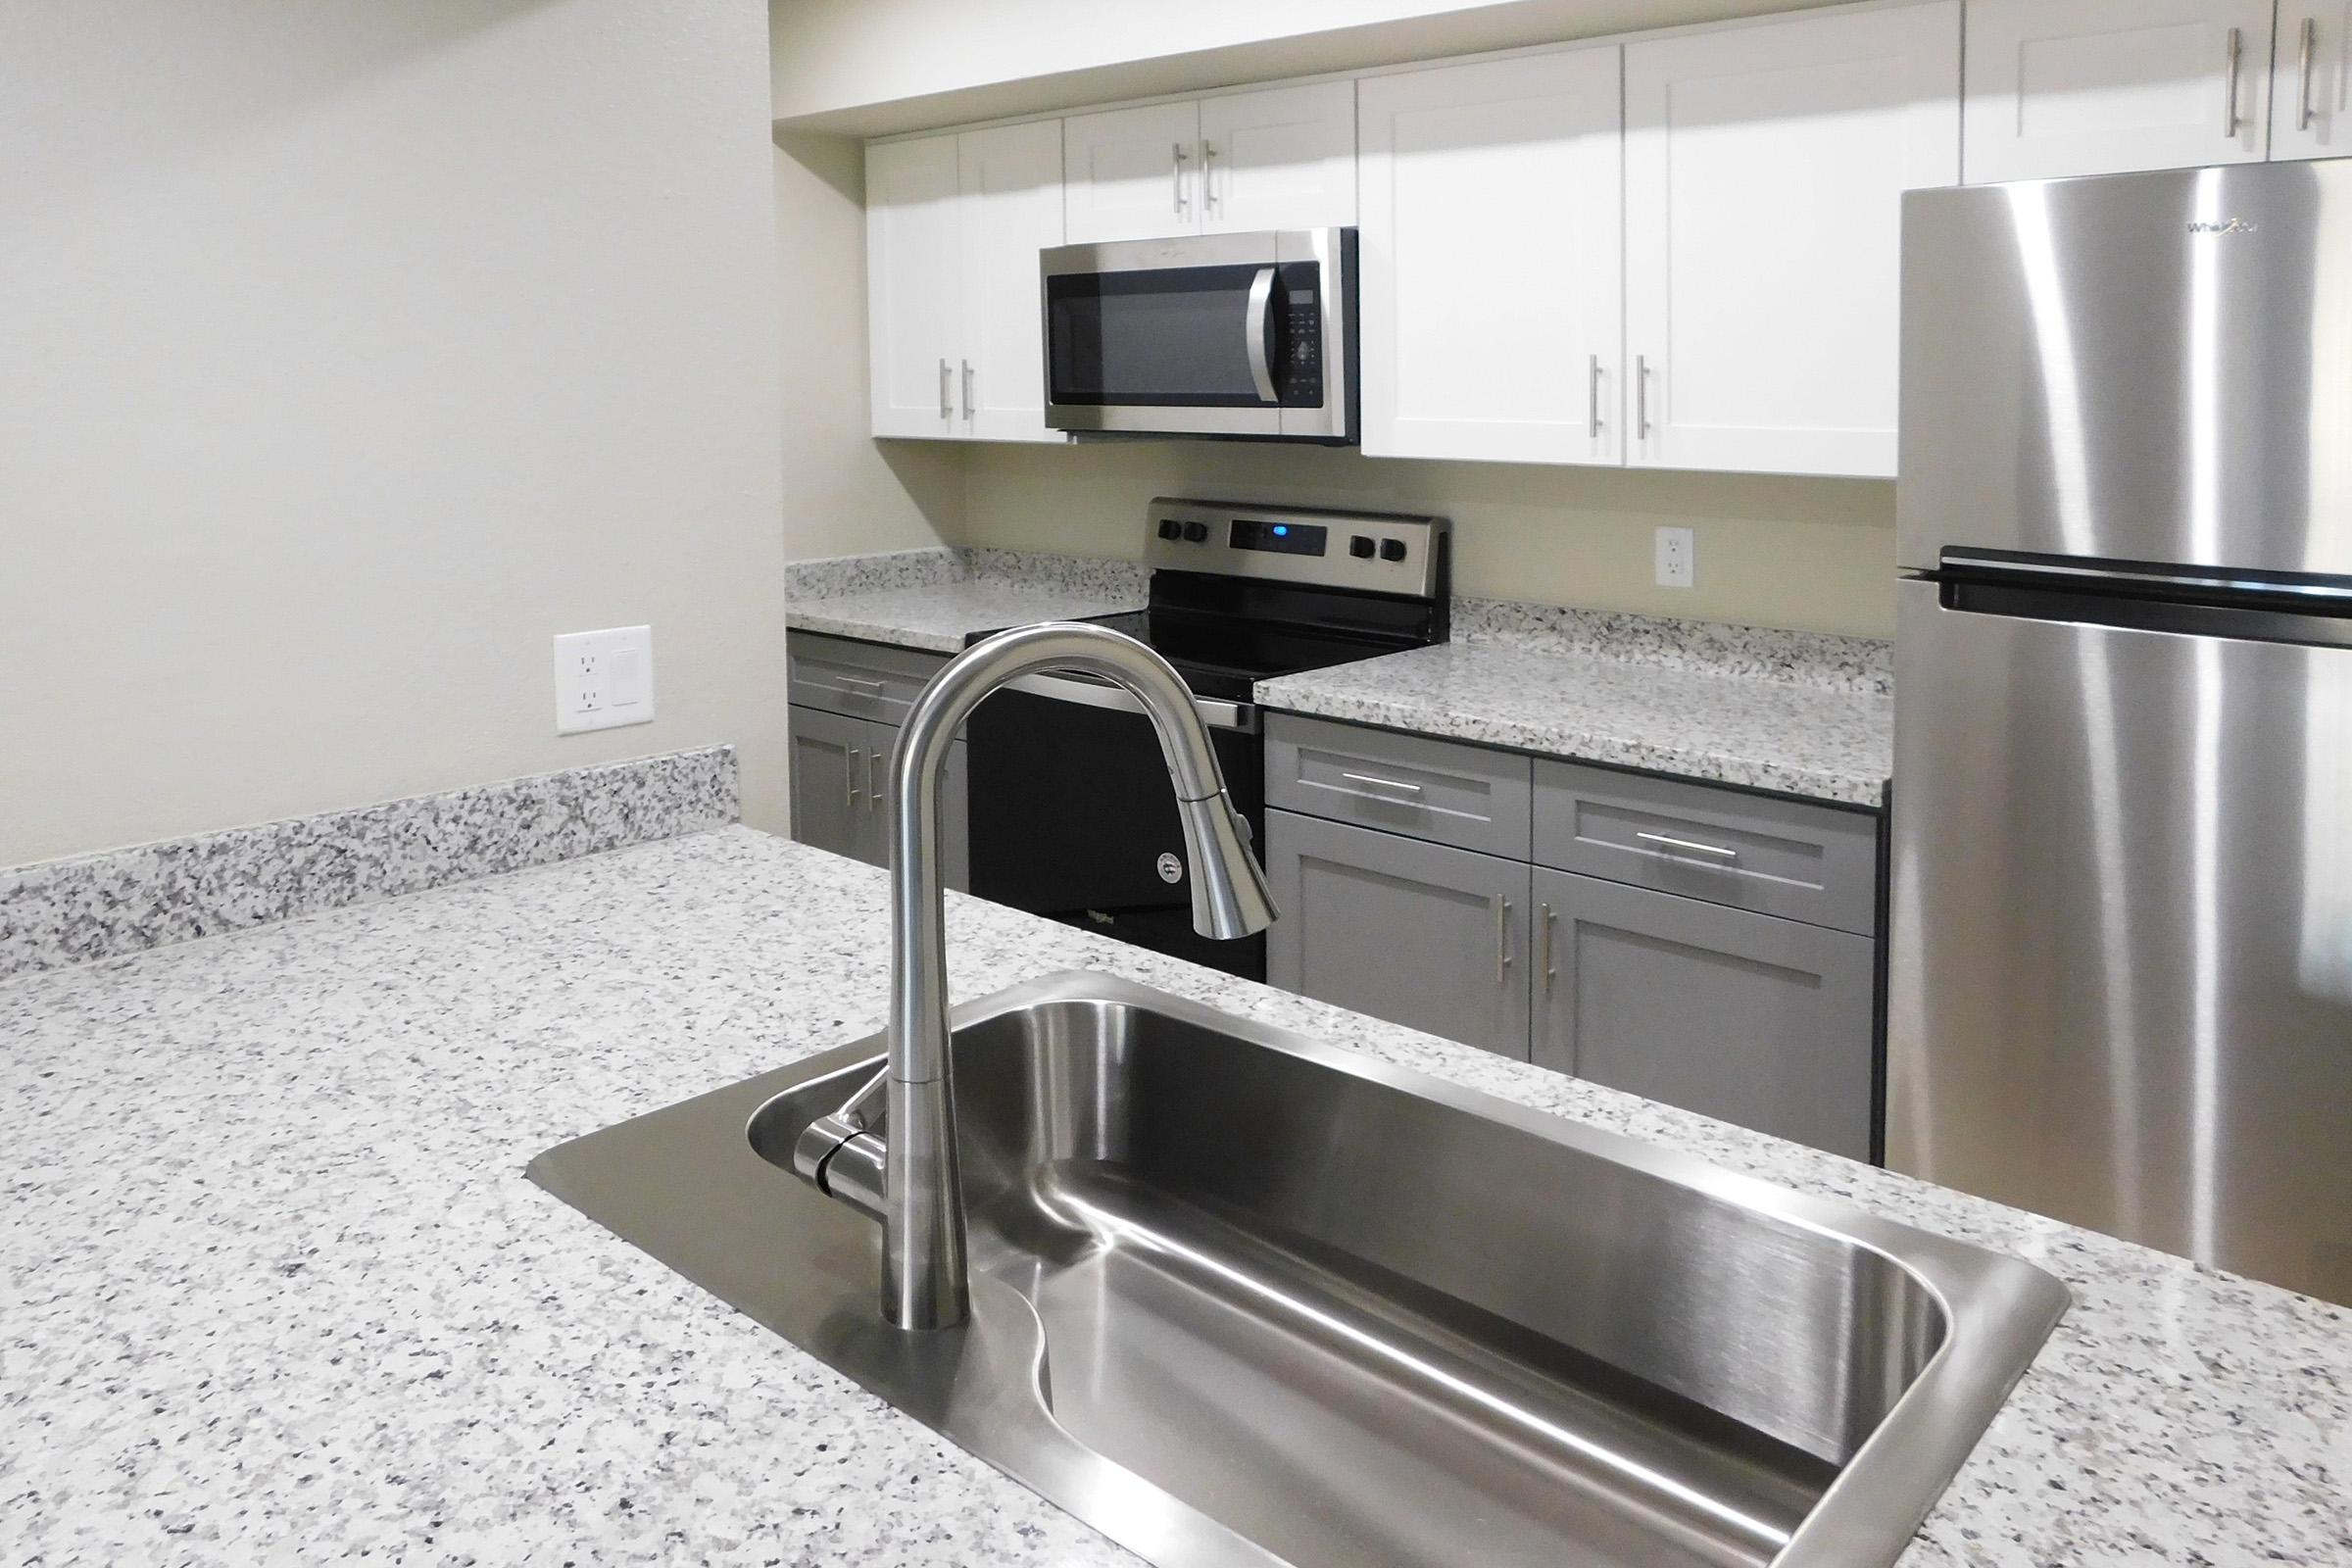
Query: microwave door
point(1177, 349)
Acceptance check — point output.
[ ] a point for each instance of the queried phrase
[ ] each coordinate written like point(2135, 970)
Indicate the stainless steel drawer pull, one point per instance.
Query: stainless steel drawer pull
point(1550, 918)
point(1177, 164)
point(1208, 177)
point(2230, 119)
point(946, 405)
point(967, 390)
point(848, 778)
point(873, 791)
point(872, 687)
point(1377, 782)
point(1592, 398)
point(1641, 397)
point(2304, 51)
point(1502, 938)
point(1692, 844)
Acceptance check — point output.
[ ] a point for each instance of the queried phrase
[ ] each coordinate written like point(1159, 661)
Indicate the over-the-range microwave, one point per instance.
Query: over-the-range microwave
point(1249, 336)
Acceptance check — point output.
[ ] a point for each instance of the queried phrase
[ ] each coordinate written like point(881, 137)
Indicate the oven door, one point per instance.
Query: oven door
point(1072, 815)
point(1225, 334)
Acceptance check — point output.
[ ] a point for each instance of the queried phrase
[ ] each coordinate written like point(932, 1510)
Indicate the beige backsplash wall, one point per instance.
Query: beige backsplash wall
point(1811, 555)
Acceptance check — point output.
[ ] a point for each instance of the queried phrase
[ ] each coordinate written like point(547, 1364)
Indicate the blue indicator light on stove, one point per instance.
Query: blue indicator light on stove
point(1282, 530)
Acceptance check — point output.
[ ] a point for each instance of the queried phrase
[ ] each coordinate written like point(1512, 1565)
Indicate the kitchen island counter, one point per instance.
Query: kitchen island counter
point(273, 1286)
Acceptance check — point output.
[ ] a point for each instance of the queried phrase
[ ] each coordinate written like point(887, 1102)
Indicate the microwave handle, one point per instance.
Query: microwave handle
point(1254, 332)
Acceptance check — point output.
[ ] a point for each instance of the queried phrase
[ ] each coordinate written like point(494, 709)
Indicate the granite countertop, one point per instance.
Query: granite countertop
point(273, 1287)
point(936, 600)
point(1823, 742)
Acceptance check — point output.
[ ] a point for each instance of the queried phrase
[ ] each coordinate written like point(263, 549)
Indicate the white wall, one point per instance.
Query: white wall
point(351, 349)
point(844, 492)
point(875, 66)
point(1812, 554)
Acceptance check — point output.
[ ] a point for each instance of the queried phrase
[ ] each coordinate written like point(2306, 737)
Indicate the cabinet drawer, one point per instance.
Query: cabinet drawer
point(1815, 863)
point(1444, 791)
point(863, 680)
point(1751, 1019)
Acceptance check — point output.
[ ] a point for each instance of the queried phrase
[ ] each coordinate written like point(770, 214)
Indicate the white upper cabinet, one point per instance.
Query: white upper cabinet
point(1765, 166)
point(1132, 174)
point(913, 298)
point(1284, 158)
point(2311, 91)
point(1491, 307)
point(2059, 87)
point(953, 228)
point(1009, 189)
point(1278, 158)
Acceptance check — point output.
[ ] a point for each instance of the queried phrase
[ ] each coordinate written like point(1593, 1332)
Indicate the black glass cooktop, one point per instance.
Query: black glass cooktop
point(1223, 635)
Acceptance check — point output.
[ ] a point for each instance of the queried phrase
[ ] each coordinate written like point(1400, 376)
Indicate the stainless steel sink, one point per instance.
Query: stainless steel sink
point(1242, 1298)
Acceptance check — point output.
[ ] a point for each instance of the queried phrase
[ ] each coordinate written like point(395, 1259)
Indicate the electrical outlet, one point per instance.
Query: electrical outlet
point(1677, 552)
point(604, 679)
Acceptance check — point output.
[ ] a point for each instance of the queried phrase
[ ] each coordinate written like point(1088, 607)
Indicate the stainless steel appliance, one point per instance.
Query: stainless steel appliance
point(1238, 335)
point(1069, 810)
point(2121, 986)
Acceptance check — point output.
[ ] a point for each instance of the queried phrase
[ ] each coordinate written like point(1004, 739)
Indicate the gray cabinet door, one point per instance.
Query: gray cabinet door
point(830, 766)
point(1420, 933)
point(1747, 1017)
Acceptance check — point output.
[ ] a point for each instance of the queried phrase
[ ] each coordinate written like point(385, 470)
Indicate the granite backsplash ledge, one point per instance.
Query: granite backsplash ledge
point(90, 906)
point(1860, 664)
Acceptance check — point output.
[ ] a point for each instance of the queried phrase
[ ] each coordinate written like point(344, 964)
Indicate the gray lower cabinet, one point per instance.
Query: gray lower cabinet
point(839, 774)
point(1748, 1017)
point(1421, 934)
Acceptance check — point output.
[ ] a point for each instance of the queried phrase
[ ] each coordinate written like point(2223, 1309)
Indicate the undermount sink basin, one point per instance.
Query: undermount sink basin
point(1242, 1298)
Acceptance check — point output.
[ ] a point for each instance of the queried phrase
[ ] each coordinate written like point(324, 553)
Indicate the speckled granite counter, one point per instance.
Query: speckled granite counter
point(1801, 739)
point(272, 1288)
point(936, 599)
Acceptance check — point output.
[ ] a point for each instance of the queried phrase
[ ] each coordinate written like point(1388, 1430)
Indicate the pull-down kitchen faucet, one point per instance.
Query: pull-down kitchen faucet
point(920, 1197)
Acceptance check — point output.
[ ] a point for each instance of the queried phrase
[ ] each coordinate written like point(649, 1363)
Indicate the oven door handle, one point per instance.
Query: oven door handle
point(1254, 332)
point(1215, 712)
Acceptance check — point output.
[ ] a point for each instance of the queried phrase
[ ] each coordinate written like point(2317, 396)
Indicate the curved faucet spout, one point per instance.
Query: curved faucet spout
point(924, 1278)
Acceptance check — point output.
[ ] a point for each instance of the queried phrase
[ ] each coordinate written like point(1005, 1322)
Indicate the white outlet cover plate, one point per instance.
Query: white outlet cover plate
point(604, 679)
point(1677, 548)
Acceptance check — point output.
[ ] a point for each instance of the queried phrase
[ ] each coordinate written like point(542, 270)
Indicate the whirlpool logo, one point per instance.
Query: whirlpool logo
point(2235, 225)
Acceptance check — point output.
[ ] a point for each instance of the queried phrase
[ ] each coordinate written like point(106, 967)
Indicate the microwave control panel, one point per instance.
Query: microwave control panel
point(1299, 375)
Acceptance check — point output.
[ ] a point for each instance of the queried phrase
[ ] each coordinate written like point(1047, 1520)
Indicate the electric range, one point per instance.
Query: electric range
point(1072, 815)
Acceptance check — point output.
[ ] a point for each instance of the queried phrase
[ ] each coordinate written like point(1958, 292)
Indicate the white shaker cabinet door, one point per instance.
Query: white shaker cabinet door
point(1132, 174)
point(912, 302)
point(1284, 158)
point(2059, 87)
point(2311, 85)
point(1491, 247)
point(1011, 180)
point(1765, 169)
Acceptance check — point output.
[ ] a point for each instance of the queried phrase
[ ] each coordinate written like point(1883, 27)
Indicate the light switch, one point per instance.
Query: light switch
point(604, 679)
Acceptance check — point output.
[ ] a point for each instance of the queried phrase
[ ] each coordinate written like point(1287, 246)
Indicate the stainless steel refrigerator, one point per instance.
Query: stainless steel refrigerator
point(2120, 990)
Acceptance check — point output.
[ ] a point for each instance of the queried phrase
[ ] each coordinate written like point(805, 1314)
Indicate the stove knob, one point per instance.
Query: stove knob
point(1194, 532)
point(1360, 547)
point(1392, 550)
point(1170, 528)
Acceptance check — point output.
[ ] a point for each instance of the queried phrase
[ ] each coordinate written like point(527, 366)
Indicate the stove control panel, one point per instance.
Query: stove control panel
point(1329, 549)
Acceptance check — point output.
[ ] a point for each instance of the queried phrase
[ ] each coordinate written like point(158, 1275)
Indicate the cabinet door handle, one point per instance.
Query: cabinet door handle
point(1592, 398)
point(1208, 177)
point(967, 389)
point(1641, 397)
point(873, 791)
point(1176, 162)
point(2305, 50)
point(2236, 50)
point(1550, 974)
point(947, 408)
point(1503, 937)
point(1378, 782)
point(1692, 844)
point(848, 779)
